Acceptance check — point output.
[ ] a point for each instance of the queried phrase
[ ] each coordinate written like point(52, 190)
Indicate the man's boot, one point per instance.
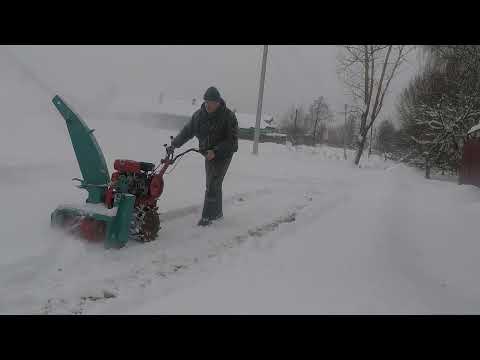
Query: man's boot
point(204, 222)
point(217, 217)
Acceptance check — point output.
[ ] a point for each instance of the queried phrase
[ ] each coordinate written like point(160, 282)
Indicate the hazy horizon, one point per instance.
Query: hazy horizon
point(296, 74)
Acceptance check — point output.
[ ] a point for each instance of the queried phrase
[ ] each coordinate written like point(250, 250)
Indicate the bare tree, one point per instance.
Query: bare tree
point(320, 114)
point(368, 70)
point(292, 122)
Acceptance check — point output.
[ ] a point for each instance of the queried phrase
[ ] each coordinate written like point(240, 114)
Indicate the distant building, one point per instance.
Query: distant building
point(174, 114)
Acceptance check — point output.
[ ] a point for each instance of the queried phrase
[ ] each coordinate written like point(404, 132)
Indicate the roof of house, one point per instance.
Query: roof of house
point(248, 120)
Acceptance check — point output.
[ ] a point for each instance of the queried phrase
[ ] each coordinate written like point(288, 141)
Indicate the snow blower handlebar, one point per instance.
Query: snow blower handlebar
point(170, 159)
point(185, 152)
point(170, 150)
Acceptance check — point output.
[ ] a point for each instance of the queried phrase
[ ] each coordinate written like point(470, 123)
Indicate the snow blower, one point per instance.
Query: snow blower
point(120, 208)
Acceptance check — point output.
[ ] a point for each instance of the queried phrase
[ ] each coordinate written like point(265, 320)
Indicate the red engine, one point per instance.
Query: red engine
point(127, 166)
point(136, 178)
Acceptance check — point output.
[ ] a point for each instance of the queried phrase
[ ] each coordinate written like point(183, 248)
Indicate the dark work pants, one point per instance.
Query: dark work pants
point(215, 172)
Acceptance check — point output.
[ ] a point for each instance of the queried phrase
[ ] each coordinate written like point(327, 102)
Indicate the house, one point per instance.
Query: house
point(247, 122)
point(174, 114)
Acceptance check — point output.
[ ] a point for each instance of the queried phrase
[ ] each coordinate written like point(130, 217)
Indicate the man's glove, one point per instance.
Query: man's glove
point(170, 149)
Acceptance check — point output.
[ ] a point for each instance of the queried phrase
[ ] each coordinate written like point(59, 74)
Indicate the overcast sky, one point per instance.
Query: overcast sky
point(295, 74)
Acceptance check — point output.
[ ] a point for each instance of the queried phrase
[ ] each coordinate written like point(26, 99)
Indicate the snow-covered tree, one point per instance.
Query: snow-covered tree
point(446, 125)
point(441, 104)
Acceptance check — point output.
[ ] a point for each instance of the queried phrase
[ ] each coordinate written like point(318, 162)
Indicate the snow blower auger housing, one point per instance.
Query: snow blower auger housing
point(119, 208)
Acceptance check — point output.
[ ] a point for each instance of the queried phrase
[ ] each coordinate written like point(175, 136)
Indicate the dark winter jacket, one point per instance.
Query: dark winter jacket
point(217, 131)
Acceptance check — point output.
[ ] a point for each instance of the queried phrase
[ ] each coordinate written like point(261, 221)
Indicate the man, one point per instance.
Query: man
point(216, 129)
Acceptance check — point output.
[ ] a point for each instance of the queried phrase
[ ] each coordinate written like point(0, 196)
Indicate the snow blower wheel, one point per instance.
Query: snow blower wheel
point(145, 224)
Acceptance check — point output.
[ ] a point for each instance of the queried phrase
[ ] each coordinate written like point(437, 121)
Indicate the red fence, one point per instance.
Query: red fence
point(470, 167)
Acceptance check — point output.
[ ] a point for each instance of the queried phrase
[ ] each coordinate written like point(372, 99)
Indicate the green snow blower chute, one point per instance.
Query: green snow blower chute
point(118, 208)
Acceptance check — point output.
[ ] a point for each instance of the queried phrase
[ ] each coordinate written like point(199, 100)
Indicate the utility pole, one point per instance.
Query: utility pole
point(256, 136)
point(315, 128)
point(295, 127)
point(327, 120)
point(371, 140)
point(345, 135)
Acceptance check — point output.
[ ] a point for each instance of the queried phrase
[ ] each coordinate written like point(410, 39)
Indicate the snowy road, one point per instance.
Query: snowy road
point(304, 232)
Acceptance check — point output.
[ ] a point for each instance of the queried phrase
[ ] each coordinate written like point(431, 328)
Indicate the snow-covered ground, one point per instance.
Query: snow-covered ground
point(304, 232)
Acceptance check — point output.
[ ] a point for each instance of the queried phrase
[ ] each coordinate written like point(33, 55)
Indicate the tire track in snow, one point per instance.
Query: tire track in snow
point(175, 268)
point(40, 269)
point(76, 305)
point(169, 267)
point(182, 212)
point(156, 265)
